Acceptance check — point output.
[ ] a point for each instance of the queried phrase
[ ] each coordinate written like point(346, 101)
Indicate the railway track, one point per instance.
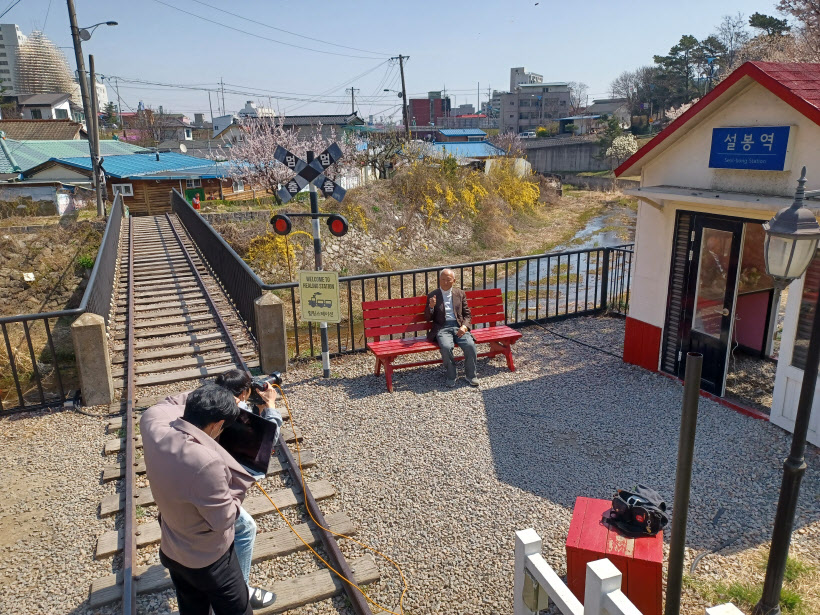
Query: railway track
point(173, 326)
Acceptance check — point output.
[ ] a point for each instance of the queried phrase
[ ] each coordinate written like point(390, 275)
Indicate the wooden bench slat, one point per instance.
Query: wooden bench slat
point(397, 329)
point(397, 311)
point(390, 303)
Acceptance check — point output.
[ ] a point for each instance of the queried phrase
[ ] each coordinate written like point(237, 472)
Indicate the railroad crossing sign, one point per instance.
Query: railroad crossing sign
point(319, 296)
point(309, 173)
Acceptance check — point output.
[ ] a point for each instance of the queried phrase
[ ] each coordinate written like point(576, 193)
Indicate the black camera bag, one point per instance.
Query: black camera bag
point(641, 512)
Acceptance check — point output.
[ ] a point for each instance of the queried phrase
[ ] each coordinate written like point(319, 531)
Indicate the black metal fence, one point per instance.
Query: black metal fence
point(540, 287)
point(37, 366)
point(239, 281)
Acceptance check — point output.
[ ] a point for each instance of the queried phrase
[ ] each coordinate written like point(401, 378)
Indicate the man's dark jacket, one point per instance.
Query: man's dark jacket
point(460, 308)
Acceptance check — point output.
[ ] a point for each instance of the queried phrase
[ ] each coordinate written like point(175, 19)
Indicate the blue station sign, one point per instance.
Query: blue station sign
point(753, 148)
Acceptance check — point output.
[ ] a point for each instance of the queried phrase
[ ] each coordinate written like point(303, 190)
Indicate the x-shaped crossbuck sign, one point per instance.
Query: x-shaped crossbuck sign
point(309, 173)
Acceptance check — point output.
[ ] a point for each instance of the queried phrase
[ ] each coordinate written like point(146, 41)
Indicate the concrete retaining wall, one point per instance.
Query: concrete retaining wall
point(549, 156)
point(238, 216)
point(598, 183)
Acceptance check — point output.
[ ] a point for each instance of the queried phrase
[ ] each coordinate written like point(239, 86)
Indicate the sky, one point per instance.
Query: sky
point(299, 56)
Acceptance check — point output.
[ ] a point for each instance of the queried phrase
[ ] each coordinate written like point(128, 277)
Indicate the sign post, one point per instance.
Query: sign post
point(319, 300)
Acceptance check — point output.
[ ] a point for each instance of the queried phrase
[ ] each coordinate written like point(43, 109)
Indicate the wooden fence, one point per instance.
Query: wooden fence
point(536, 583)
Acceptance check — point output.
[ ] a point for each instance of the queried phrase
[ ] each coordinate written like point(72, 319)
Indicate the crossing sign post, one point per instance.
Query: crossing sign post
point(311, 173)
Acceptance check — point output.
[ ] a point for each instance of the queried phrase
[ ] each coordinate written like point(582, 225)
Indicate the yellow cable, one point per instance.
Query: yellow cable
point(325, 562)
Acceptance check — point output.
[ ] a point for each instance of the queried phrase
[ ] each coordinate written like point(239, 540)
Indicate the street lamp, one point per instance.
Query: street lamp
point(399, 92)
point(85, 33)
point(78, 35)
point(791, 242)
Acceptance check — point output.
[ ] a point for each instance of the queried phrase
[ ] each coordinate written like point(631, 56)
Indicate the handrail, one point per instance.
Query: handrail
point(88, 289)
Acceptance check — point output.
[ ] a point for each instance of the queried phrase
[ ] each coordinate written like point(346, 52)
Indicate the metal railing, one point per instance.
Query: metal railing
point(539, 287)
point(36, 358)
point(237, 278)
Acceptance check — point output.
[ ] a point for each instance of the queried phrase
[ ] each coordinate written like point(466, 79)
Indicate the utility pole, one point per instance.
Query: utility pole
point(352, 98)
point(119, 103)
point(211, 107)
point(224, 109)
point(81, 78)
point(95, 128)
point(478, 97)
point(401, 60)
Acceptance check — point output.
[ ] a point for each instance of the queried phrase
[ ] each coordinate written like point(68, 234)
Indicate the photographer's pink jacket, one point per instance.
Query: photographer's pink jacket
point(197, 485)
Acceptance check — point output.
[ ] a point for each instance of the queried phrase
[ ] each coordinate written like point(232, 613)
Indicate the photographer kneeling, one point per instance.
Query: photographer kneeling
point(198, 488)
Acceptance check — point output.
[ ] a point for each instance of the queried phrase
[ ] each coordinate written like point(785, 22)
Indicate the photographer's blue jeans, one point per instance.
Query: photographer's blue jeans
point(244, 537)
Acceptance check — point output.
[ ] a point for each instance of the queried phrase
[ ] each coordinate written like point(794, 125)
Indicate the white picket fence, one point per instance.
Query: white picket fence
point(536, 583)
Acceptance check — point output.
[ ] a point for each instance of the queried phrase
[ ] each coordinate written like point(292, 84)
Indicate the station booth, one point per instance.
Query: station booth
point(708, 183)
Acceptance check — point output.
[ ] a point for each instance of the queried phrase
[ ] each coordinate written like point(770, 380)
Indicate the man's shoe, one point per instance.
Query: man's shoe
point(473, 382)
point(261, 598)
point(451, 383)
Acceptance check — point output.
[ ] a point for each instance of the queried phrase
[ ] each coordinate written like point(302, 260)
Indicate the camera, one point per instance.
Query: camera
point(261, 383)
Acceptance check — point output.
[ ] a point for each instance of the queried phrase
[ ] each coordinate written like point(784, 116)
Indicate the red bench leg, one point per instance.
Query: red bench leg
point(506, 351)
point(388, 373)
point(378, 366)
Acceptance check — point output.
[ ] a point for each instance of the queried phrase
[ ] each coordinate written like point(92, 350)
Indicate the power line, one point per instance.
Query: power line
point(11, 7)
point(318, 40)
point(259, 36)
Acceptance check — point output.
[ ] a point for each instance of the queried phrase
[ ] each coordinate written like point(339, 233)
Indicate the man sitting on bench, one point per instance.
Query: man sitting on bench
point(447, 309)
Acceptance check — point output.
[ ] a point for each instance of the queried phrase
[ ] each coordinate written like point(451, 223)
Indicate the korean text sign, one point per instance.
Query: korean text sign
point(754, 148)
point(319, 296)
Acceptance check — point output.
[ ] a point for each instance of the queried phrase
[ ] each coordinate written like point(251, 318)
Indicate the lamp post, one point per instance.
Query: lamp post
point(791, 243)
point(78, 35)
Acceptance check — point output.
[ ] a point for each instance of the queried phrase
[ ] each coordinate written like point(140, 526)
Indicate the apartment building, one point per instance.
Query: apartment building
point(532, 105)
point(10, 40)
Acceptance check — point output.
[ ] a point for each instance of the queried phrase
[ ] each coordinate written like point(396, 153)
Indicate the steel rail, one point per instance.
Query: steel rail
point(337, 558)
point(129, 588)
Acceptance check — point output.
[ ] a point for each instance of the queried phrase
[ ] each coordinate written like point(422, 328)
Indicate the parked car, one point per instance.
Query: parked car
point(530, 134)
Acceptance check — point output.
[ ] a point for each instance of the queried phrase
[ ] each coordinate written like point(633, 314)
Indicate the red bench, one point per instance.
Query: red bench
point(403, 316)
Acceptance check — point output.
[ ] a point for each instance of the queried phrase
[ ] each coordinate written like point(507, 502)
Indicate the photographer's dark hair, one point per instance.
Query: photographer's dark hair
point(210, 403)
point(237, 381)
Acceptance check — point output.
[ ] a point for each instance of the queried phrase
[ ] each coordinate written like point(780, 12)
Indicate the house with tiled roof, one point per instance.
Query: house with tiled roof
point(146, 180)
point(43, 130)
point(707, 183)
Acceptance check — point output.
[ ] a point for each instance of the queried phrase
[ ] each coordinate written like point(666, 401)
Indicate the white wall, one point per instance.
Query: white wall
point(686, 163)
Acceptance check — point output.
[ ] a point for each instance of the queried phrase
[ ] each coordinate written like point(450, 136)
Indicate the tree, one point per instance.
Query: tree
point(708, 56)
point(733, 35)
point(677, 67)
point(511, 143)
point(110, 114)
point(577, 95)
point(612, 131)
point(807, 14)
point(622, 148)
point(771, 26)
point(383, 151)
point(625, 86)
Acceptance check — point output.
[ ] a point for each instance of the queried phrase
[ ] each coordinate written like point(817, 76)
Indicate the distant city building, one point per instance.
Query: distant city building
point(478, 120)
point(465, 109)
point(10, 40)
point(533, 105)
point(424, 111)
point(616, 107)
point(251, 110)
point(492, 106)
point(520, 76)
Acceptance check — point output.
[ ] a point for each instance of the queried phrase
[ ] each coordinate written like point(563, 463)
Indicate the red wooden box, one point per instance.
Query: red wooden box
point(640, 560)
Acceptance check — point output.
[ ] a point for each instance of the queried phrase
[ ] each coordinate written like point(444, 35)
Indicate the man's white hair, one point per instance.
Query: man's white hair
point(447, 270)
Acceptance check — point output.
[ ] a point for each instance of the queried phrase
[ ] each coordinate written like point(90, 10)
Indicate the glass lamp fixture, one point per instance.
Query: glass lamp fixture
point(791, 239)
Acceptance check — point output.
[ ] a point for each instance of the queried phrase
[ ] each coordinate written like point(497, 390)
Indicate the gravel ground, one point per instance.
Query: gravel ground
point(437, 479)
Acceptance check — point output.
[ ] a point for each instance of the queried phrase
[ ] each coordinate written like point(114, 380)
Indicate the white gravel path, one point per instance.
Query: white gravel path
point(438, 479)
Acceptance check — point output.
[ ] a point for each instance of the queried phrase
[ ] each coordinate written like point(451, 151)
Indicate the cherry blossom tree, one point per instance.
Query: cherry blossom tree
point(251, 157)
point(622, 148)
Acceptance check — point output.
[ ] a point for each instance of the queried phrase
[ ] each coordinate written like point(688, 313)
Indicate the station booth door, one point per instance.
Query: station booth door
point(719, 299)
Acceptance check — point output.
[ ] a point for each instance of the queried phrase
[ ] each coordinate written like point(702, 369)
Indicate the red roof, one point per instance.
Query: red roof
point(797, 84)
